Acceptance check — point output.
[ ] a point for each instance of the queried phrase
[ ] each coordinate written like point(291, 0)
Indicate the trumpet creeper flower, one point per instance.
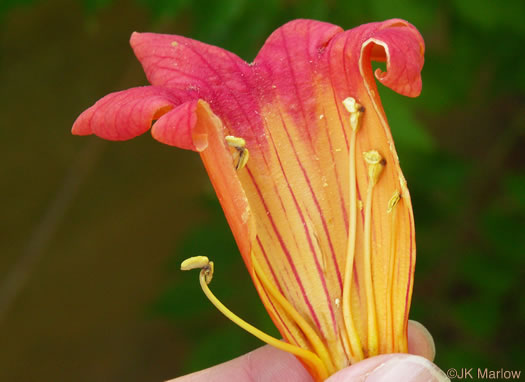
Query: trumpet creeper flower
point(299, 152)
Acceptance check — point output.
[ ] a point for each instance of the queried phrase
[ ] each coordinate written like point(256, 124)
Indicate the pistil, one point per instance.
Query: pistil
point(376, 163)
point(356, 111)
point(392, 263)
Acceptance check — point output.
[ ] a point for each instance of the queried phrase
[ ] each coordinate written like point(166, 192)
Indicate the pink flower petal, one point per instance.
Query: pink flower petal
point(210, 73)
point(401, 45)
point(180, 62)
point(126, 114)
point(289, 61)
point(395, 41)
point(177, 128)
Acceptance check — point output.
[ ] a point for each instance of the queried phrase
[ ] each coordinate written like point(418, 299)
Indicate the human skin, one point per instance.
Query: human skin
point(268, 364)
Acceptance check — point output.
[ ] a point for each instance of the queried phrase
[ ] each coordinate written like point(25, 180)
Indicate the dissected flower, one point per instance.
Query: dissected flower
point(301, 157)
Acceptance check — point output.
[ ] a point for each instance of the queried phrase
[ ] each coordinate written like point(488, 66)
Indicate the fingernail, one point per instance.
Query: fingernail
point(420, 341)
point(407, 368)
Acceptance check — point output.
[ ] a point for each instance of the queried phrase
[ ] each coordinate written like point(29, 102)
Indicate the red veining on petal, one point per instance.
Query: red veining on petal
point(126, 114)
point(275, 279)
point(314, 198)
point(214, 74)
point(224, 85)
point(297, 94)
point(178, 128)
point(337, 177)
point(287, 254)
point(337, 103)
point(282, 322)
point(308, 236)
point(344, 344)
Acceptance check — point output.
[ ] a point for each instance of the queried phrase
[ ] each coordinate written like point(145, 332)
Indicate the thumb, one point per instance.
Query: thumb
point(391, 367)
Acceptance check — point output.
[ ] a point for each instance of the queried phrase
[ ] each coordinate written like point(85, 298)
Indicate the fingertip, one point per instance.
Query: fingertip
point(391, 367)
point(265, 364)
point(270, 364)
point(420, 341)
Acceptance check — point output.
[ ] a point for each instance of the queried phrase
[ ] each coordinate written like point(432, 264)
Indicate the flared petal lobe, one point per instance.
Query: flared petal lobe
point(215, 75)
point(126, 114)
point(402, 47)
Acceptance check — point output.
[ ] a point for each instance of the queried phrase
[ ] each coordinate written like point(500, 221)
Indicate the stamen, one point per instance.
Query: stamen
point(393, 201)
point(205, 276)
point(392, 210)
point(196, 262)
point(199, 262)
point(355, 110)
point(376, 164)
point(308, 331)
point(400, 333)
point(238, 144)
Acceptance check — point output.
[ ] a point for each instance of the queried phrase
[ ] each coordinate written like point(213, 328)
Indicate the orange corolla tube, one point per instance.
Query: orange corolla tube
point(298, 149)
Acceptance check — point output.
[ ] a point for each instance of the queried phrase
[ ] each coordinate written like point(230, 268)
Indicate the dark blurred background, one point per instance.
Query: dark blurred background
point(92, 232)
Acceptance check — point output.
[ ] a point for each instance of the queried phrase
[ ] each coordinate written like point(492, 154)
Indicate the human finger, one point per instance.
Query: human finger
point(391, 367)
point(269, 364)
point(265, 364)
point(420, 341)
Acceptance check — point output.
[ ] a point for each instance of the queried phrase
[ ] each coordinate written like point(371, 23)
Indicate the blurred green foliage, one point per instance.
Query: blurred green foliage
point(461, 147)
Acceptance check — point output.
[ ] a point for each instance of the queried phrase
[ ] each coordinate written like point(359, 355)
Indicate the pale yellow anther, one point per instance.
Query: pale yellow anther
point(351, 104)
point(356, 111)
point(199, 262)
point(235, 142)
point(372, 157)
point(392, 203)
point(195, 262)
point(239, 144)
point(376, 163)
point(174, 43)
